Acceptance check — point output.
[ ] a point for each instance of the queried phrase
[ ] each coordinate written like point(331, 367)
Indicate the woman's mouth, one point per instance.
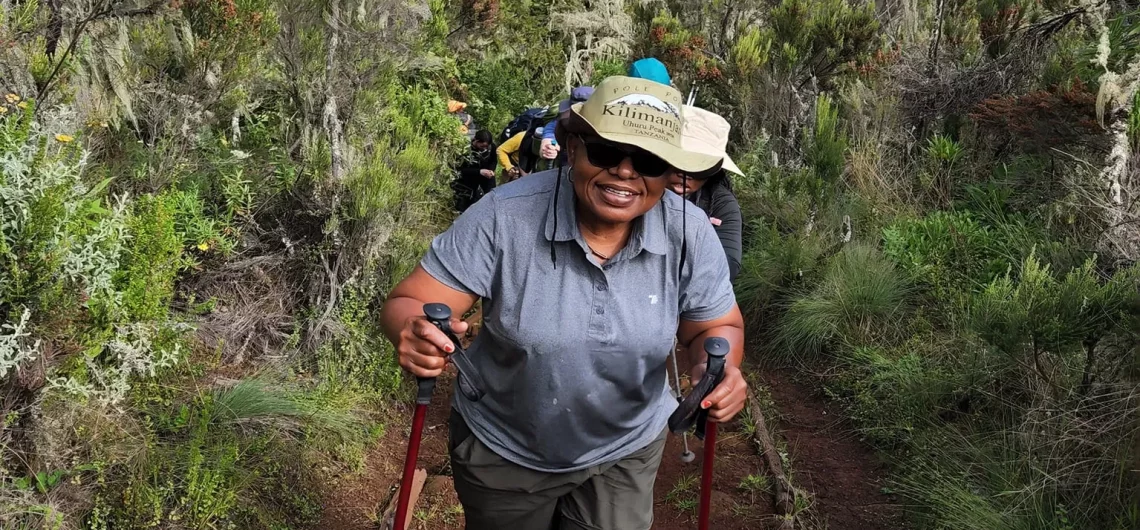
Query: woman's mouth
point(618, 197)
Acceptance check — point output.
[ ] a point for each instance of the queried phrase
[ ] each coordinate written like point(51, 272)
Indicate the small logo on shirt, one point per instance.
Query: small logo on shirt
point(652, 299)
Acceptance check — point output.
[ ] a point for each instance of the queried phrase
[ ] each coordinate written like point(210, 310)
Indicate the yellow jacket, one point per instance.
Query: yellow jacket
point(508, 153)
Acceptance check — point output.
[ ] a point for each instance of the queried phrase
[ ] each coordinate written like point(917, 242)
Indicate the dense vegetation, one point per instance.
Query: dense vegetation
point(204, 202)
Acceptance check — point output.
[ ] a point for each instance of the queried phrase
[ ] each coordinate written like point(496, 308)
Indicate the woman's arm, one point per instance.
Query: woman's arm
point(420, 346)
point(727, 399)
point(509, 147)
point(730, 232)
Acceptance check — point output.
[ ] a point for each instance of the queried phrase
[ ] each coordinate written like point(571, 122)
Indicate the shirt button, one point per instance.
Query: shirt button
point(600, 311)
point(601, 287)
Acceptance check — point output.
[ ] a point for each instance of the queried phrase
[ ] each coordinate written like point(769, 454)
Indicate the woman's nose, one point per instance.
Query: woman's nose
point(624, 169)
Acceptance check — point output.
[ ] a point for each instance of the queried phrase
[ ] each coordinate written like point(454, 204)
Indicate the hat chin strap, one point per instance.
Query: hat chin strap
point(684, 218)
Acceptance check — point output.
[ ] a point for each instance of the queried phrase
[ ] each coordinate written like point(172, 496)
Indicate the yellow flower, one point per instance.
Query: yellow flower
point(12, 98)
point(64, 138)
point(203, 247)
point(3, 111)
point(22, 104)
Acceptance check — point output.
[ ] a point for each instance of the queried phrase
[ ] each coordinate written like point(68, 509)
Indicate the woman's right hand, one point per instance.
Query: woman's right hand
point(423, 349)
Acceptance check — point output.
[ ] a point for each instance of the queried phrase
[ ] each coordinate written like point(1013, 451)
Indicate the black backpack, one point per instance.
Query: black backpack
point(522, 123)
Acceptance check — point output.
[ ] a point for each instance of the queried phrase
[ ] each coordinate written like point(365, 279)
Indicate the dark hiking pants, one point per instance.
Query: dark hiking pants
point(468, 191)
point(497, 494)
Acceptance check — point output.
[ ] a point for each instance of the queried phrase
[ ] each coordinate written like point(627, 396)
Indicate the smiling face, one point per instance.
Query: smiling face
point(613, 195)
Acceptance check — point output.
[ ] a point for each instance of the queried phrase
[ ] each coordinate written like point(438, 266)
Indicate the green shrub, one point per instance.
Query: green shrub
point(895, 393)
point(227, 458)
point(857, 301)
point(1052, 327)
point(413, 113)
point(946, 251)
point(202, 234)
point(773, 267)
point(151, 261)
point(827, 147)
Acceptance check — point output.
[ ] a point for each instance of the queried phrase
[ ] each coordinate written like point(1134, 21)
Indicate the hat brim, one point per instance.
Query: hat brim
point(682, 160)
point(729, 165)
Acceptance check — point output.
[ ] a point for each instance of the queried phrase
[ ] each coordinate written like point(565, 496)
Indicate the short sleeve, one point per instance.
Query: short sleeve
point(706, 291)
point(464, 256)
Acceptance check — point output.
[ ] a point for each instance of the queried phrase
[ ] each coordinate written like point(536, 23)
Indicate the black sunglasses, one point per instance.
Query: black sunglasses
point(607, 155)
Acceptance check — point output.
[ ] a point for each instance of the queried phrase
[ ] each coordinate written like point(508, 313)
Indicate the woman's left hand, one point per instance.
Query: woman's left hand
point(727, 399)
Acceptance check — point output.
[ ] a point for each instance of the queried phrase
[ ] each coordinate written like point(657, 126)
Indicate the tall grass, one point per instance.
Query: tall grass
point(859, 298)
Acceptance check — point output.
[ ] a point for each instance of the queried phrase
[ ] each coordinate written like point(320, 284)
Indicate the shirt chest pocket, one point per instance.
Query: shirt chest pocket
point(644, 318)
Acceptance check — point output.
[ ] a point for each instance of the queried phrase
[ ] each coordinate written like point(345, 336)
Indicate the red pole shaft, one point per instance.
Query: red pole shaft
point(707, 476)
point(409, 467)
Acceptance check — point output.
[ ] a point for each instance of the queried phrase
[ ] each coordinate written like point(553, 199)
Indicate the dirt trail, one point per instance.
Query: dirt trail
point(842, 474)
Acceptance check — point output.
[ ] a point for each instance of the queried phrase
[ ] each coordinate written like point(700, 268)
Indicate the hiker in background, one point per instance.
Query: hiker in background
point(466, 123)
point(513, 155)
point(549, 150)
point(584, 288)
point(508, 154)
point(476, 173)
point(707, 133)
point(652, 69)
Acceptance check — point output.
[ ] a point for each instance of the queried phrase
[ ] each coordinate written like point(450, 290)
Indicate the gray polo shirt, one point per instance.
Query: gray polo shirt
point(573, 357)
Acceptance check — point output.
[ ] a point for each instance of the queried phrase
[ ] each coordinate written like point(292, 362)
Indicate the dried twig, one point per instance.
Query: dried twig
point(783, 492)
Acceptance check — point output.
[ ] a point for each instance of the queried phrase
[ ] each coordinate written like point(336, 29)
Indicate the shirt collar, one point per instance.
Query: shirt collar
point(648, 231)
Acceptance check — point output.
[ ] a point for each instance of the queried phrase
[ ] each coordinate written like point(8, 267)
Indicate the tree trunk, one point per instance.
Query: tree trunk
point(334, 128)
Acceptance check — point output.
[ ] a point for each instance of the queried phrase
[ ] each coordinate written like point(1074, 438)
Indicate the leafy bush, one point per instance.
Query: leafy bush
point(1054, 327)
point(774, 267)
point(894, 394)
point(151, 261)
point(946, 251)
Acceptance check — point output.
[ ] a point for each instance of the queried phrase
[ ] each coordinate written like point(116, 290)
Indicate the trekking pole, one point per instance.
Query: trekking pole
point(423, 398)
point(690, 413)
point(687, 455)
point(440, 316)
point(717, 350)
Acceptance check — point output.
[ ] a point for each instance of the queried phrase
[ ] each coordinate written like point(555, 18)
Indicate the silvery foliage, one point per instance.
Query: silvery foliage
point(88, 259)
point(131, 353)
point(14, 347)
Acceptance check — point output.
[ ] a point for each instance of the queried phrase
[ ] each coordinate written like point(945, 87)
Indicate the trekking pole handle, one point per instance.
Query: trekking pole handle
point(440, 316)
point(717, 349)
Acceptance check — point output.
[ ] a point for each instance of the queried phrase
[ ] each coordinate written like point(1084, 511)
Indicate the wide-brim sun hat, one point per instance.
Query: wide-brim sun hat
point(707, 133)
point(645, 114)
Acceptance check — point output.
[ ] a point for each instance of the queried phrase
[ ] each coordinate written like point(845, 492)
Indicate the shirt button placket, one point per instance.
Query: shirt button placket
point(597, 319)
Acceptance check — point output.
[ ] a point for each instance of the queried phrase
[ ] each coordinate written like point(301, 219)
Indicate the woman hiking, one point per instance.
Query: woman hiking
point(476, 172)
point(584, 287)
point(711, 190)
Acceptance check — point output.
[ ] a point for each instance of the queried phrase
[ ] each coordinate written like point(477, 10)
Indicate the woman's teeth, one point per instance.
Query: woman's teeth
point(618, 192)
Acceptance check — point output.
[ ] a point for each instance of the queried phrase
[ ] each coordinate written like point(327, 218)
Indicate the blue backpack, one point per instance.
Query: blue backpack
point(522, 122)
